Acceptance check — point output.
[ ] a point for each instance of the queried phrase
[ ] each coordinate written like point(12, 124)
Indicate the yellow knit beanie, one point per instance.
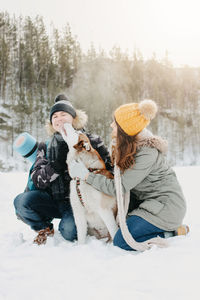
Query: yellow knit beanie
point(134, 117)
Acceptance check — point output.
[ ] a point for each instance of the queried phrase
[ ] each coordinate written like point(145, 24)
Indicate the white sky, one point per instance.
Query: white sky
point(148, 25)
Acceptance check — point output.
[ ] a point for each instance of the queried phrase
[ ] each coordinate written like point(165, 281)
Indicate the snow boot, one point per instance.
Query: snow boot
point(182, 230)
point(41, 238)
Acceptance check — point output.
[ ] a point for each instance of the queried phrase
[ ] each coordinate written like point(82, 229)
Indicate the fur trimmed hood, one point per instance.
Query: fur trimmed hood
point(79, 122)
point(146, 139)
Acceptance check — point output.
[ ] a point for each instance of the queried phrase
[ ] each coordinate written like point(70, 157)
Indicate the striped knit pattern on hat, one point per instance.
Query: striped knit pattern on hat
point(134, 117)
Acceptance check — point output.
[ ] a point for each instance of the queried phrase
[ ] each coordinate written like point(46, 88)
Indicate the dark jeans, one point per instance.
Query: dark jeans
point(141, 231)
point(38, 209)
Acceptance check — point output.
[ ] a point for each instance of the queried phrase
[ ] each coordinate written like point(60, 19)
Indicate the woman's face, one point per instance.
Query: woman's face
point(113, 125)
point(59, 118)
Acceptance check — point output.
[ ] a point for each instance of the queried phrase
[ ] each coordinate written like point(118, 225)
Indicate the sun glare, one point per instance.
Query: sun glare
point(176, 26)
point(152, 26)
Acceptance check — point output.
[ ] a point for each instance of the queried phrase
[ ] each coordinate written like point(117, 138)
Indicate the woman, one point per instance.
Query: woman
point(47, 192)
point(144, 172)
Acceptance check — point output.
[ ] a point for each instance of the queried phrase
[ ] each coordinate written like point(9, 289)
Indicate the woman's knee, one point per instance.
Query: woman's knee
point(131, 224)
point(134, 224)
point(140, 229)
point(118, 239)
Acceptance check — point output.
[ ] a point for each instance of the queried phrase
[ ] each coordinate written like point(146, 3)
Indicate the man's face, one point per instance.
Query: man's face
point(59, 118)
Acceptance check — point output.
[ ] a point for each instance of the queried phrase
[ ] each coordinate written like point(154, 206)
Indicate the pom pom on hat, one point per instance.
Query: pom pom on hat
point(61, 97)
point(148, 109)
point(134, 117)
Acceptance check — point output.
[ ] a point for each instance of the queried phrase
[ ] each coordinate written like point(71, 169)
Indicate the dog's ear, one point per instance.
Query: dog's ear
point(79, 146)
point(83, 143)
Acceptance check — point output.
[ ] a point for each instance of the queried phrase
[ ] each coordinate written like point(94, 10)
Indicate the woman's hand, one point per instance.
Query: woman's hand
point(78, 169)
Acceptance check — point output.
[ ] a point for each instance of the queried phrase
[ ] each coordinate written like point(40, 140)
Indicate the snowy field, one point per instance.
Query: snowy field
point(62, 270)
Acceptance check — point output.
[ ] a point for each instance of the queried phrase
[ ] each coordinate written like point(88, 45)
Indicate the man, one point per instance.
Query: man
point(47, 193)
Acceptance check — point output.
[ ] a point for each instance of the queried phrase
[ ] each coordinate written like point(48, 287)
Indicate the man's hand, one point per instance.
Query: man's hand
point(41, 150)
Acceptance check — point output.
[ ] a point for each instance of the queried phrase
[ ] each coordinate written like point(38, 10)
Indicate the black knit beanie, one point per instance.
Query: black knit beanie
point(62, 104)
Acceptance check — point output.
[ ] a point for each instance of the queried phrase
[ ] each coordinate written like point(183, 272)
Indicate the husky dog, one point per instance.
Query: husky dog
point(94, 211)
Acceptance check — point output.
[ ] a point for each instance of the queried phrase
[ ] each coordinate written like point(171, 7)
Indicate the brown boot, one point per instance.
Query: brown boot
point(182, 230)
point(41, 238)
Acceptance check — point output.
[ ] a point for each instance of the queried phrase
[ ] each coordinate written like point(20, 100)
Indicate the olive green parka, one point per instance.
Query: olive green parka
point(154, 183)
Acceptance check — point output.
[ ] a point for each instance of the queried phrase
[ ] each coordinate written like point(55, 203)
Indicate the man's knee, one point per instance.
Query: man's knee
point(23, 201)
point(68, 229)
point(19, 201)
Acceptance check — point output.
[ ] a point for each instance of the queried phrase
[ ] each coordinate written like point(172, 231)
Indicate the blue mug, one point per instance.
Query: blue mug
point(26, 145)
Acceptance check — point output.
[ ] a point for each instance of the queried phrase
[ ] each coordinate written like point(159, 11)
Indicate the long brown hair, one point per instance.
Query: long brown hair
point(125, 149)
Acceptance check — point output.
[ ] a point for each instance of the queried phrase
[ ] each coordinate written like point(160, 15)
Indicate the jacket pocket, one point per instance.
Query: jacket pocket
point(152, 206)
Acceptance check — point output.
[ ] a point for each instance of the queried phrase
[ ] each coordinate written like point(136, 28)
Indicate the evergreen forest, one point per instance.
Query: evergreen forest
point(37, 63)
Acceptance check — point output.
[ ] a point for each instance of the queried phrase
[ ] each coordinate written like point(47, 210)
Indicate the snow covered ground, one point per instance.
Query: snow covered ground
point(62, 270)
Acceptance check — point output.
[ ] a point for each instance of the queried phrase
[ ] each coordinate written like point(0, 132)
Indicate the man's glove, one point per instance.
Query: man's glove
point(59, 164)
point(41, 152)
point(78, 169)
point(70, 135)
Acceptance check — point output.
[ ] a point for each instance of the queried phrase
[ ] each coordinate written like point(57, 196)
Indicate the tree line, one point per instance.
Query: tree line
point(36, 65)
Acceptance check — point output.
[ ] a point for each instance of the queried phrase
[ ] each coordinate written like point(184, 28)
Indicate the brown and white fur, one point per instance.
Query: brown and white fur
point(97, 215)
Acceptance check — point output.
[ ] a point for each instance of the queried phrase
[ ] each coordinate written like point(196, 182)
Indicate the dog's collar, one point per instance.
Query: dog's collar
point(92, 169)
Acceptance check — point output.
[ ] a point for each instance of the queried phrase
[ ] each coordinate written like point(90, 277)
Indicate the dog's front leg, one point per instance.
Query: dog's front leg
point(109, 220)
point(79, 214)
